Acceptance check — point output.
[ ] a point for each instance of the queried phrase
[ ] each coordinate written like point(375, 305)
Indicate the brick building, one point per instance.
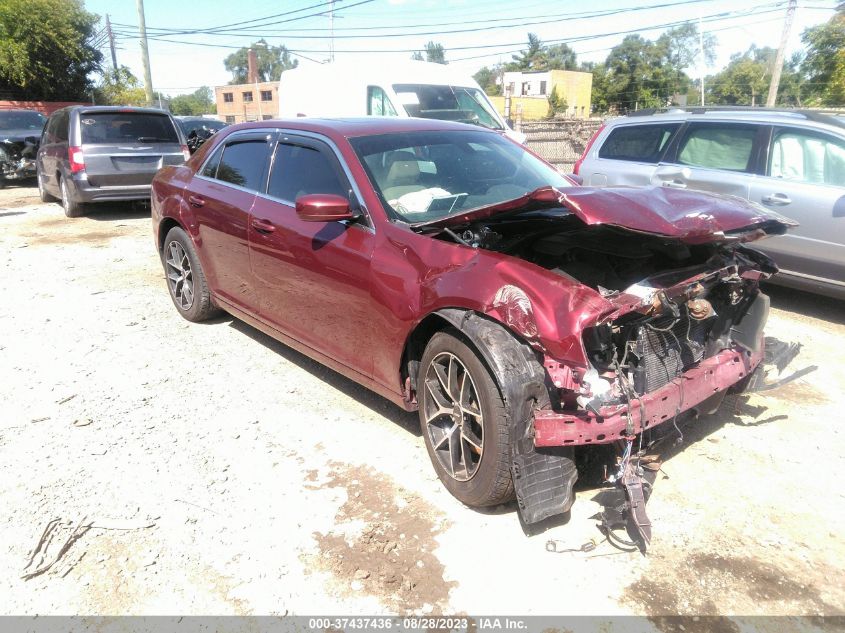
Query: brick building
point(252, 101)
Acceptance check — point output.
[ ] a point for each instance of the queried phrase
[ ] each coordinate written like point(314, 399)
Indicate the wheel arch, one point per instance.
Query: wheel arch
point(164, 227)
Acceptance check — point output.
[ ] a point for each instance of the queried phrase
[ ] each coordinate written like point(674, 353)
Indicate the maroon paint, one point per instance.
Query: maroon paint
point(350, 297)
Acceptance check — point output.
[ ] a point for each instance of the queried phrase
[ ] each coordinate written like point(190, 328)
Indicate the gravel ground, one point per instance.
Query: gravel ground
point(227, 474)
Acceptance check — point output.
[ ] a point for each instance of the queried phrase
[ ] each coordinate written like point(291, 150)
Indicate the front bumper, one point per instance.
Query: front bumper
point(709, 377)
point(23, 169)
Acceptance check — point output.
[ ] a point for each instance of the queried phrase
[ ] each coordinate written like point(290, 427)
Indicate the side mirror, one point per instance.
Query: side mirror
point(323, 207)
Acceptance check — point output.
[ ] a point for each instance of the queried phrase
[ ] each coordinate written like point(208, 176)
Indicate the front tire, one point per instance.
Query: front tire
point(464, 422)
point(72, 208)
point(185, 278)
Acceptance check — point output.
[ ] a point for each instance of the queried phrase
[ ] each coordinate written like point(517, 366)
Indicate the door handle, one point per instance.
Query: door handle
point(675, 184)
point(779, 199)
point(263, 226)
point(196, 201)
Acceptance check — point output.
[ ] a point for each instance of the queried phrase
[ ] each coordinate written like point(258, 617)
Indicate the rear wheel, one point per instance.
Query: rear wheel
point(72, 208)
point(464, 422)
point(185, 278)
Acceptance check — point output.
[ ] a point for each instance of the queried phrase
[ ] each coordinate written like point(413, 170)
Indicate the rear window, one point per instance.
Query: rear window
point(242, 164)
point(718, 147)
point(640, 143)
point(126, 127)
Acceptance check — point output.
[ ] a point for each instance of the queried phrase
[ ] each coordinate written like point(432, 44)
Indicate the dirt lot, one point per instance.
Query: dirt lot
point(226, 473)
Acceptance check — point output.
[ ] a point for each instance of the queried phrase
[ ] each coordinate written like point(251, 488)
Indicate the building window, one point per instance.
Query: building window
point(542, 87)
point(230, 119)
point(247, 96)
point(266, 117)
point(266, 95)
point(228, 97)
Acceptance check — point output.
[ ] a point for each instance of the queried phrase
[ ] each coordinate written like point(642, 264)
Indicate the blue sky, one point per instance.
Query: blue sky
point(178, 67)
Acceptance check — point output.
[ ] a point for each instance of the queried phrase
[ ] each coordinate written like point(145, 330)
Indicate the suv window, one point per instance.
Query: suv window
point(122, 127)
point(640, 143)
point(242, 163)
point(807, 157)
point(299, 170)
point(718, 146)
point(62, 127)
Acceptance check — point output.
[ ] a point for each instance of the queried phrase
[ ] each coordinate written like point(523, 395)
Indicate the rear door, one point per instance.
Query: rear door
point(804, 179)
point(714, 156)
point(222, 193)
point(629, 154)
point(127, 148)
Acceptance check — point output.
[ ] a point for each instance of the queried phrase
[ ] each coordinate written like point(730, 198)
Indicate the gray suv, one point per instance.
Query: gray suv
point(791, 161)
point(105, 153)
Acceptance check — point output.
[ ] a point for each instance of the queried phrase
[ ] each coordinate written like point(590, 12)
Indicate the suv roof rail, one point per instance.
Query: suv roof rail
point(831, 117)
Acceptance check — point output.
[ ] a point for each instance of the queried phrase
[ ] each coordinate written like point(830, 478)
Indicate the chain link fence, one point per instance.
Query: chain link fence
point(560, 142)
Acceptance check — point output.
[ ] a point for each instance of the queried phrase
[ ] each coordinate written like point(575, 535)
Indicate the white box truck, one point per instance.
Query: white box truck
point(405, 88)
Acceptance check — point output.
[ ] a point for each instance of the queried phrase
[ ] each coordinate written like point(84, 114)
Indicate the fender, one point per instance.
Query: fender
point(543, 478)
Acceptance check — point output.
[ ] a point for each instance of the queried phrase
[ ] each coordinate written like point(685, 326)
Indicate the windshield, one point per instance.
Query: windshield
point(423, 176)
point(188, 125)
point(449, 103)
point(21, 121)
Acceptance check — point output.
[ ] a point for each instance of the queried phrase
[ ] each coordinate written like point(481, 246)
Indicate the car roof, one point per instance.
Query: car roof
point(813, 118)
point(361, 126)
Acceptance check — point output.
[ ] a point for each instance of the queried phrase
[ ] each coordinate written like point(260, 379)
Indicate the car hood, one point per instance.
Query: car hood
point(686, 215)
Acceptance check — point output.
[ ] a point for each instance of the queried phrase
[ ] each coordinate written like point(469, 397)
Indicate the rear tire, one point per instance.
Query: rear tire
point(464, 422)
point(72, 208)
point(185, 278)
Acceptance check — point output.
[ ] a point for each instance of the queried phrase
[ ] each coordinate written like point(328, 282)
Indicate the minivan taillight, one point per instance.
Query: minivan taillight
point(577, 166)
point(77, 160)
point(185, 152)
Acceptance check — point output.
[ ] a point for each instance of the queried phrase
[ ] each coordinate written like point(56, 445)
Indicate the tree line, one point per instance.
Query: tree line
point(48, 51)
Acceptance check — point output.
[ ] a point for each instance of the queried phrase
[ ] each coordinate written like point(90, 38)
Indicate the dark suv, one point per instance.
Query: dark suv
point(105, 153)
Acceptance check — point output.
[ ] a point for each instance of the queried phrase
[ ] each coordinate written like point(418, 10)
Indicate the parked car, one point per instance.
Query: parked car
point(105, 153)
point(19, 132)
point(792, 161)
point(452, 271)
point(401, 88)
point(197, 130)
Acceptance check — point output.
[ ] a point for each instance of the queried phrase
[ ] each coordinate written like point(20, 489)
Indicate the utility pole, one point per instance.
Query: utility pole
point(701, 60)
point(145, 53)
point(111, 42)
point(331, 28)
point(776, 71)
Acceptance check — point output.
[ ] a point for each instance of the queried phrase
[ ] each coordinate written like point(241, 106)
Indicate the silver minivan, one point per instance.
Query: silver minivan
point(105, 153)
point(790, 161)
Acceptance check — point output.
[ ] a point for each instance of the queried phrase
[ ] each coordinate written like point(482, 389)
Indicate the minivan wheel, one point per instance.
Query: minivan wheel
point(42, 192)
point(185, 278)
point(72, 208)
point(464, 423)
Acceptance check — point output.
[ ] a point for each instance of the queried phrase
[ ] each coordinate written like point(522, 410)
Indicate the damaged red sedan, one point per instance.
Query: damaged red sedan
point(454, 272)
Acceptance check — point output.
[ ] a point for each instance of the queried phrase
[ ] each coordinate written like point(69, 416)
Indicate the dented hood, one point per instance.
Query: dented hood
point(686, 215)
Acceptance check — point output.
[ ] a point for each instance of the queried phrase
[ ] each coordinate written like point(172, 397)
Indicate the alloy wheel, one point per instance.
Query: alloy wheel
point(65, 196)
point(453, 418)
point(179, 275)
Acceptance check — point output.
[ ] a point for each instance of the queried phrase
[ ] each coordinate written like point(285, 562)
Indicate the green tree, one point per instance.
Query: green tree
point(45, 49)
point(560, 57)
point(487, 79)
point(679, 49)
point(533, 58)
point(119, 87)
point(557, 103)
point(417, 56)
point(600, 97)
point(199, 102)
point(635, 75)
point(435, 53)
point(824, 64)
point(272, 61)
point(745, 80)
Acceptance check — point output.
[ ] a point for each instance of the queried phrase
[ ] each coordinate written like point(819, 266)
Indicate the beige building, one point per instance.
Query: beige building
point(530, 92)
point(247, 102)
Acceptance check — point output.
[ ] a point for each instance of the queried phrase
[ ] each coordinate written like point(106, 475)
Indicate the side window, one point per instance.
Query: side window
point(807, 157)
point(242, 163)
point(299, 170)
point(718, 146)
point(210, 169)
point(639, 143)
point(377, 102)
point(49, 134)
point(62, 124)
